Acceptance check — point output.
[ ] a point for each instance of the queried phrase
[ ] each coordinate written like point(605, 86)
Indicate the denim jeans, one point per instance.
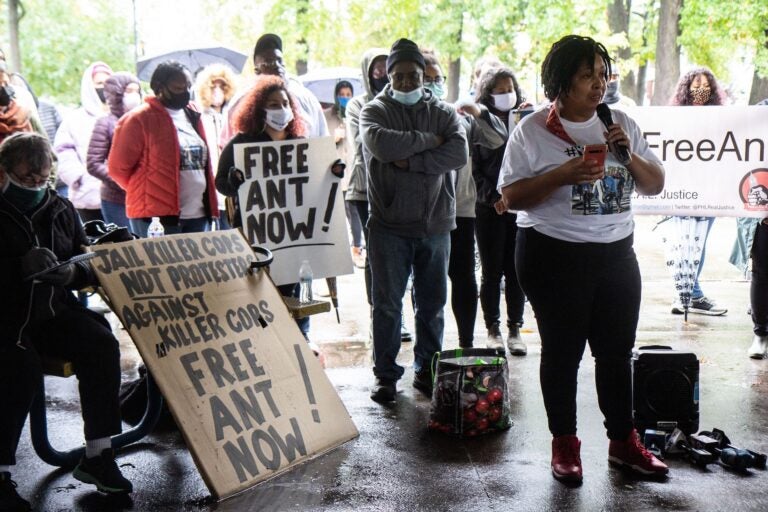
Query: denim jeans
point(198, 225)
point(362, 212)
point(392, 258)
point(114, 213)
point(758, 286)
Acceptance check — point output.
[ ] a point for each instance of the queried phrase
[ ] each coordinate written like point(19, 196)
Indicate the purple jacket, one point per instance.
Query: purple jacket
point(101, 138)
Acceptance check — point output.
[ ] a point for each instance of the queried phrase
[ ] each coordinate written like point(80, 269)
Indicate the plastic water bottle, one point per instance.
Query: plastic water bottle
point(156, 228)
point(305, 283)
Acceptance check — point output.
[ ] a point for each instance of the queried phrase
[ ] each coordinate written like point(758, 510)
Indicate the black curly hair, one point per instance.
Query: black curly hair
point(565, 58)
point(165, 72)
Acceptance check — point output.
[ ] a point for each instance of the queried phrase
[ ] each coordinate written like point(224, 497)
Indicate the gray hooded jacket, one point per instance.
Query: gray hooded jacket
point(419, 201)
point(358, 182)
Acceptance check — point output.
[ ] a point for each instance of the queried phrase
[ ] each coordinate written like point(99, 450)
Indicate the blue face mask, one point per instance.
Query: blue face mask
point(408, 98)
point(437, 89)
point(342, 101)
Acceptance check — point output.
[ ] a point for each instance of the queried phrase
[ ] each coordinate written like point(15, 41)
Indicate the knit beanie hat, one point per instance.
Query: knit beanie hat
point(405, 50)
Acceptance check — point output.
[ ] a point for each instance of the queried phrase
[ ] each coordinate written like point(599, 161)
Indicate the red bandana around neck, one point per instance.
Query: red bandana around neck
point(555, 126)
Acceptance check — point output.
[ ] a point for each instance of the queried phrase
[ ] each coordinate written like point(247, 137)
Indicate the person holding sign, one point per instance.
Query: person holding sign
point(267, 113)
point(412, 143)
point(579, 269)
point(160, 157)
point(40, 315)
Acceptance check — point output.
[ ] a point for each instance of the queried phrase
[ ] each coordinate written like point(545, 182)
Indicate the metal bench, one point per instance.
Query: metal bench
point(38, 423)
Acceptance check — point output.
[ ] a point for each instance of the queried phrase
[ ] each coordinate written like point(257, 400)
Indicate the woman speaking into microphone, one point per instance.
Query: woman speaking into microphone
point(574, 255)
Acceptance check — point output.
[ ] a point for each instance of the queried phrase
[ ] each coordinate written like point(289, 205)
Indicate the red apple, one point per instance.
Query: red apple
point(494, 395)
point(482, 406)
point(470, 416)
point(494, 414)
point(482, 424)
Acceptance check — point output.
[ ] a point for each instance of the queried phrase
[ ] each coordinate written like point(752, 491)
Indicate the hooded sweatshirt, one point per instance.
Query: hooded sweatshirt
point(358, 181)
point(101, 137)
point(419, 201)
point(71, 145)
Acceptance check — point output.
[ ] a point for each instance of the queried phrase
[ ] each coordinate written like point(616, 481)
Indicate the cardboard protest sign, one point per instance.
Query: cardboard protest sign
point(714, 160)
point(292, 204)
point(249, 396)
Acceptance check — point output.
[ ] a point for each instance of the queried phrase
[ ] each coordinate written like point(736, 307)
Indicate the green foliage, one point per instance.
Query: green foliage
point(714, 33)
point(59, 39)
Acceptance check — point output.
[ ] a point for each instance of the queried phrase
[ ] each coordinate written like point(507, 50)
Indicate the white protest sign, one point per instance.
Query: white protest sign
point(714, 158)
point(249, 396)
point(292, 204)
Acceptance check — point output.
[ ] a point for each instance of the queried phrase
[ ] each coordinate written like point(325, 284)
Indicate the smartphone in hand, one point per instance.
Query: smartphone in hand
point(596, 152)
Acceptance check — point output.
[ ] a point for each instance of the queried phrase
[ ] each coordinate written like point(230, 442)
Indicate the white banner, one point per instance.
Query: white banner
point(714, 158)
point(292, 204)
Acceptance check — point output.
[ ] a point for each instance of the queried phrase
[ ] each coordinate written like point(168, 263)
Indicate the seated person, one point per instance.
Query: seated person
point(41, 316)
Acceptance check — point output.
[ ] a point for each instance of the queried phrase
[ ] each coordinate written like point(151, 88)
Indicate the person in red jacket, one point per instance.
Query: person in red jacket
point(159, 156)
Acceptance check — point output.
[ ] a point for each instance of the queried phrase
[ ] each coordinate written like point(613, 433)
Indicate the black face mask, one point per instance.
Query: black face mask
point(6, 95)
point(378, 84)
point(100, 93)
point(176, 101)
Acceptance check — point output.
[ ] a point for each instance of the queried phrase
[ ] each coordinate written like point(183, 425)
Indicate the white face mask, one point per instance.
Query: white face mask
point(504, 102)
point(279, 118)
point(408, 98)
point(131, 100)
point(217, 97)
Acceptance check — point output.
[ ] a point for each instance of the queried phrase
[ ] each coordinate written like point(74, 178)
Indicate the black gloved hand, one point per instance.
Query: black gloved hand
point(62, 276)
point(37, 259)
point(235, 178)
point(338, 167)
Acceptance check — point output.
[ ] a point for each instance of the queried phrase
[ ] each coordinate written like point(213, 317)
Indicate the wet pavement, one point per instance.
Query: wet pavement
point(397, 465)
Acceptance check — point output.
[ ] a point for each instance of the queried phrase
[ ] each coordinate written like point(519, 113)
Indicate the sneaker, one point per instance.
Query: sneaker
point(405, 334)
point(102, 471)
point(704, 306)
point(677, 308)
point(358, 258)
point(566, 459)
point(423, 382)
point(633, 455)
point(9, 498)
point(515, 342)
point(494, 337)
point(383, 391)
point(759, 347)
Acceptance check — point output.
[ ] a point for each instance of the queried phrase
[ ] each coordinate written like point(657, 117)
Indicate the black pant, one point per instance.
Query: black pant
point(362, 210)
point(80, 336)
point(496, 235)
point(758, 287)
point(461, 271)
point(582, 292)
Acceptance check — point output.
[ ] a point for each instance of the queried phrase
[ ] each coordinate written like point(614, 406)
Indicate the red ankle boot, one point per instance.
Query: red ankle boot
point(566, 460)
point(632, 454)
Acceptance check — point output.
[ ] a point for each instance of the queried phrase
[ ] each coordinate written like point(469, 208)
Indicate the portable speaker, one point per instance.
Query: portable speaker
point(665, 389)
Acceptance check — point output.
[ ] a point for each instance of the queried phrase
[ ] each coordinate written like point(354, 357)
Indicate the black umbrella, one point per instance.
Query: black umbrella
point(194, 59)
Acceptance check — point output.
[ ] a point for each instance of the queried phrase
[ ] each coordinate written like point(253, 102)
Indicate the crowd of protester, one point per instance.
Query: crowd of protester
point(428, 186)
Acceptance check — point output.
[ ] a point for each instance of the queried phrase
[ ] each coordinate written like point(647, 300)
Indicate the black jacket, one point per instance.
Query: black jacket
point(55, 225)
point(486, 165)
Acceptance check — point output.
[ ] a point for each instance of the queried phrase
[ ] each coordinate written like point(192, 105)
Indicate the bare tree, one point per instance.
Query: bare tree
point(15, 13)
point(618, 22)
point(667, 52)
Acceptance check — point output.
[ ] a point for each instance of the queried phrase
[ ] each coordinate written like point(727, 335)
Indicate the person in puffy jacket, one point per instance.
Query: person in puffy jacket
point(72, 139)
point(160, 158)
point(123, 93)
point(40, 316)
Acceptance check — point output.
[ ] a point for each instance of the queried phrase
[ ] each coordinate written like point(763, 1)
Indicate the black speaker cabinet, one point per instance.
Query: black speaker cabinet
point(665, 389)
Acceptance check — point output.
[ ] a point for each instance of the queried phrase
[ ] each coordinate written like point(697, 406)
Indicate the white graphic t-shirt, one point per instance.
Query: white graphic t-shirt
point(599, 212)
point(194, 155)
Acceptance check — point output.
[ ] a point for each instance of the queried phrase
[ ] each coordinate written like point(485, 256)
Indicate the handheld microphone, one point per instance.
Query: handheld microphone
point(620, 152)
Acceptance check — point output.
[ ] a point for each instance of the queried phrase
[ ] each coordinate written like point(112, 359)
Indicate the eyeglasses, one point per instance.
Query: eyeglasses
point(439, 80)
point(32, 179)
